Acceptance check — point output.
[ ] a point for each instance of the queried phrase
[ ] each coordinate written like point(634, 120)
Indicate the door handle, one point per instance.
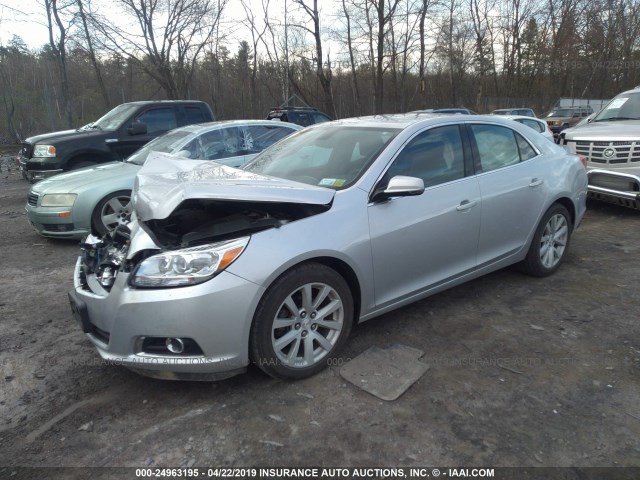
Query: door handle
point(466, 205)
point(536, 182)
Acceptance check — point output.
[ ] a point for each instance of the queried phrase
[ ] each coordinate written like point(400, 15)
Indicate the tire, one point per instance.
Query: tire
point(301, 343)
point(111, 211)
point(550, 243)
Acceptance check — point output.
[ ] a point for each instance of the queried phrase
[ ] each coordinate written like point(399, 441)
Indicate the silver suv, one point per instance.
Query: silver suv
point(611, 142)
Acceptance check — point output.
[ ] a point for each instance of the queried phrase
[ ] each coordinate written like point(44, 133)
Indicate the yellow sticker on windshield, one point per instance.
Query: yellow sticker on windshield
point(332, 182)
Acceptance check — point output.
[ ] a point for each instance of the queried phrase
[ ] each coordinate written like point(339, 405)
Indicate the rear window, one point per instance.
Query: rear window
point(195, 115)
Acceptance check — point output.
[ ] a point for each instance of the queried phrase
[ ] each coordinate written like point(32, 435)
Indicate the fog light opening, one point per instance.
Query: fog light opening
point(175, 345)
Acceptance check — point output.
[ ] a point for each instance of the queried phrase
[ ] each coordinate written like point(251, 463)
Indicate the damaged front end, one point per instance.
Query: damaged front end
point(193, 244)
point(190, 224)
point(102, 259)
point(196, 221)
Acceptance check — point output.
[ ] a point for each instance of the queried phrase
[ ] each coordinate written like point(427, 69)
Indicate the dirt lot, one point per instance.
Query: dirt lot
point(523, 372)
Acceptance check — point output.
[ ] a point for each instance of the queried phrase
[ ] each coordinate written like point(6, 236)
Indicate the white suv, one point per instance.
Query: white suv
point(611, 142)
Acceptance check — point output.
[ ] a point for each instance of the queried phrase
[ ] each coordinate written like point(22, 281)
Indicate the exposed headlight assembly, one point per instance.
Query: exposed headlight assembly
point(188, 266)
point(44, 151)
point(58, 200)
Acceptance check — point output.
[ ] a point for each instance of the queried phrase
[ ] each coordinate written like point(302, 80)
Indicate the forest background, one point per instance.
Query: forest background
point(345, 57)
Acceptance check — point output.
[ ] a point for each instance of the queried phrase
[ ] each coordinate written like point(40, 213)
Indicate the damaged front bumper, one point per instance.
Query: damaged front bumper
point(198, 332)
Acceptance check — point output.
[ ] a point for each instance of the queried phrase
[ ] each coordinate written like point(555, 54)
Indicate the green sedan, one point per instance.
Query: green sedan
point(98, 199)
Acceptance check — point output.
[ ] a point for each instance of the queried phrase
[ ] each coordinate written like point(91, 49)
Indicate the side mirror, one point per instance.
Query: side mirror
point(399, 186)
point(137, 128)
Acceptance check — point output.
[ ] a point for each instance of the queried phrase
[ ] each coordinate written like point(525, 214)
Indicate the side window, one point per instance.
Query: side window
point(436, 156)
point(526, 150)
point(500, 147)
point(537, 126)
point(497, 147)
point(215, 144)
point(301, 118)
point(158, 119)
point(256, 138)
point(320, 117)
point(194, 115)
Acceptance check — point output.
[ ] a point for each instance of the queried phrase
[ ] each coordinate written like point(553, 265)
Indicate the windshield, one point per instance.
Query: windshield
point(168, 143)
point(327, 156)
point(623, 107)
point(564, 112)
point(114, 118)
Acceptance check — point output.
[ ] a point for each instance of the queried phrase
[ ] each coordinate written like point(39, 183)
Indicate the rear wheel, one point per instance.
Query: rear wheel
point(113, 210)
point(302, 321)
point(550, 243)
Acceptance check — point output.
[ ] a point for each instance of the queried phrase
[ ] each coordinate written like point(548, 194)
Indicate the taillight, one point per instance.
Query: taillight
point(583, 159)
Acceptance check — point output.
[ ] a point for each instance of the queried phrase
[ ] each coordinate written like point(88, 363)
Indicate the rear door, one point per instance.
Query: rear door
point(424, 240)
point(513, 189)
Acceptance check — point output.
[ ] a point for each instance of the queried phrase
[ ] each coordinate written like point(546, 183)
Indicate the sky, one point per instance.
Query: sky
point(27, 19)
point(23, 18)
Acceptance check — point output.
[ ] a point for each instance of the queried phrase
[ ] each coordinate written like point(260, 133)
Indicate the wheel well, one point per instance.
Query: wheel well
point(350, 277)
point(568, 204)
point(94, 158)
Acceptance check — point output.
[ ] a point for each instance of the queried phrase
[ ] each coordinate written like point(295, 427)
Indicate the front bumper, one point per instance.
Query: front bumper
point(216, 314)
point(31, 168)
point(53, 222)
point(615, 187)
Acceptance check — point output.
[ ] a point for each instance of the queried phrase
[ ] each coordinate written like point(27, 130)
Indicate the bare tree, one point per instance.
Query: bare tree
point(352, 62)
point(324, 74)
point(58, 32)
point(168, 53)
point(484, 52)
point(92, 55)
point(422, 17)
point(257, 33)
point(384, 12)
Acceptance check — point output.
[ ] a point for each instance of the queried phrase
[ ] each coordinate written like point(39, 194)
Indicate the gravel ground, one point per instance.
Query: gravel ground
point(523, 372)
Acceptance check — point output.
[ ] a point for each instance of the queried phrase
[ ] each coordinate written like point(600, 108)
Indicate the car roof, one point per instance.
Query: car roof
point(160, 102)
point(523, 117)
point(199, 127)
point(405, 120)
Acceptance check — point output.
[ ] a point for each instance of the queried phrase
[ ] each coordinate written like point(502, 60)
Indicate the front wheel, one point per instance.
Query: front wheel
point(113, 210)
point(303, 319)
point(550, 243)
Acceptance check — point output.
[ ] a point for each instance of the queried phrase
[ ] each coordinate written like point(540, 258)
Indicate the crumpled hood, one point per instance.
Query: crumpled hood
point(165, 181)
point(605, 131)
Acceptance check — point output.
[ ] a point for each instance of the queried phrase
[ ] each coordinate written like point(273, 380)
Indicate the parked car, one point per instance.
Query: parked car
point(611, 142)
point(538, 125)
point(460, 110)
point(560, 119)
point(304, 116)
point(115, 136)
point(337, 224)
point(527, 112)
point(97, 199)
point(560, 138)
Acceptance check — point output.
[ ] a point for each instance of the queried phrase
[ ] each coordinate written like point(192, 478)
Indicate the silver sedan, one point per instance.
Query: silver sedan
point(337, 224)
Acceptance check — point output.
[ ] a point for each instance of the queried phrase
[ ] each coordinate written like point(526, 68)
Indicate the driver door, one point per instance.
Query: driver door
point(422, 241)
